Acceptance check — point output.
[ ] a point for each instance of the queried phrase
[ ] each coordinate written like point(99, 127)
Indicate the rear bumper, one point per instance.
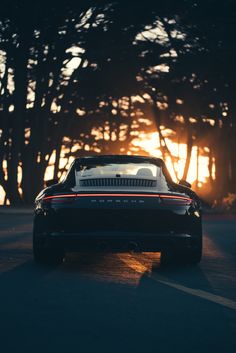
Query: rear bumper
point(112, 241)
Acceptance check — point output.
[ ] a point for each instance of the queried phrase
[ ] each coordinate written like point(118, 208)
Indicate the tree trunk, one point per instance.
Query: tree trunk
point(233, 161)
point(163, 146)
point(58, 156)
point(222, 163)
point(18, 125)
point(189, 153)
point(197, 168)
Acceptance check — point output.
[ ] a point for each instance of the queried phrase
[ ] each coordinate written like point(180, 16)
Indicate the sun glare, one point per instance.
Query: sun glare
point(198, 168)
point(149, 142)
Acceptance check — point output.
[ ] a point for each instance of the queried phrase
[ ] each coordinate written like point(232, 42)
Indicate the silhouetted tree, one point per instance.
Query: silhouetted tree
point(69, 69)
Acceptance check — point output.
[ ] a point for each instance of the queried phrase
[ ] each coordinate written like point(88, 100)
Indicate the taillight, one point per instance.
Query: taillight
point(60, 198)
point(175, 200)
point(166, 199)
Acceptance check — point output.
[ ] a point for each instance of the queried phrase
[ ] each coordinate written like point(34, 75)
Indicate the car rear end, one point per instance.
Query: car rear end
point(118, 212)
point(120, 221)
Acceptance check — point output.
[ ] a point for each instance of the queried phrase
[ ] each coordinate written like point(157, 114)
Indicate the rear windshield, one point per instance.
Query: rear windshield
point(121, 170)
point(140, 170)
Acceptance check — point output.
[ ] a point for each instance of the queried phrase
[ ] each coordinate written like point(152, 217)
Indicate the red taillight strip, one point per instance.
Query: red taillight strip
point(118, 195)
point(137, 195)
point(59, 196)
point(175, 197)
point(183, 198)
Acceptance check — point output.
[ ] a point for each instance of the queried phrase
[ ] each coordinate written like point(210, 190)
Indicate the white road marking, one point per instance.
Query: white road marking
point(141, 268)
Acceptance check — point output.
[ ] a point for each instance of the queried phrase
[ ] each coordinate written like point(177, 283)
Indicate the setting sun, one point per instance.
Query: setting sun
point(198, 168)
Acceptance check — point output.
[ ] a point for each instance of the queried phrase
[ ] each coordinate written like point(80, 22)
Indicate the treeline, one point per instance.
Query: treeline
point(92, 73)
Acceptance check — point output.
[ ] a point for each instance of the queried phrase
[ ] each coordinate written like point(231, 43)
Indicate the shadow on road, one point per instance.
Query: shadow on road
point(79, 305)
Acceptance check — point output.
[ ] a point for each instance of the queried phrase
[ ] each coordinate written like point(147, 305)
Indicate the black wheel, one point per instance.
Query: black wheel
point(41, 252)
point(188, 257)
point(46, 255)
point(193, 256)
point(166, 258)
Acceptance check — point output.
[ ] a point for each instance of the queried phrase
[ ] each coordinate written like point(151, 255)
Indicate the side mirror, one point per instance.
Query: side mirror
point(51, 182)
point(184, 183)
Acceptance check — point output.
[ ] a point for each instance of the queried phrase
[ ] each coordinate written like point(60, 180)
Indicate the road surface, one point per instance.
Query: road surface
point(117, 302)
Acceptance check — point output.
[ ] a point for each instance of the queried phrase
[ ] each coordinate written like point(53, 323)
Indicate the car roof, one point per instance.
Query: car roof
point(120, 158)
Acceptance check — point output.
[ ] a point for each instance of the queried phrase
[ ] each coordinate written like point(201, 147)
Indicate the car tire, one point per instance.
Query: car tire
point(45, 255)
point(193, 257)
point(41, 253)
point(166, 258)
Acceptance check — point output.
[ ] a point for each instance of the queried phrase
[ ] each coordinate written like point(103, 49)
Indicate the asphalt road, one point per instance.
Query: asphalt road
point(117, 302)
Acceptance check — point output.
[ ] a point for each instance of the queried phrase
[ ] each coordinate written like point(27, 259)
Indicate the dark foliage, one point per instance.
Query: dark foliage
point(70, 71)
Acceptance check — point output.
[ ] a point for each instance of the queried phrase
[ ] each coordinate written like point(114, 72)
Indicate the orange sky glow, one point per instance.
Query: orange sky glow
point(149, 142)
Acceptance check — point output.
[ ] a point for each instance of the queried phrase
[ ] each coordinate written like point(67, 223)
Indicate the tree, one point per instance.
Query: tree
point(66, 69)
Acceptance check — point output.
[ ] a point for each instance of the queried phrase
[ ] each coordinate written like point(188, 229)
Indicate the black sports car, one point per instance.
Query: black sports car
point(117, 204)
